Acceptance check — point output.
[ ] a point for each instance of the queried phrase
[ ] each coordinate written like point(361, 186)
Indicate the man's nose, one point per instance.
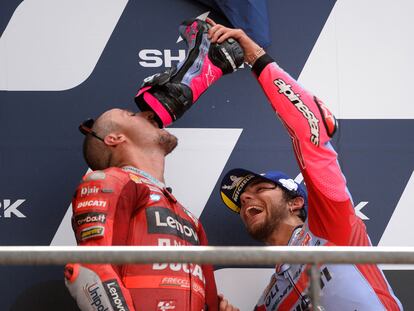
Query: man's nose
point(245, 197)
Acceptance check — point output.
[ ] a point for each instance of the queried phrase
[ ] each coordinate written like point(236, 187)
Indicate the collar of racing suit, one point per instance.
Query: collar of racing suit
point(283, 270)
point(166, 190)
point(146, 175)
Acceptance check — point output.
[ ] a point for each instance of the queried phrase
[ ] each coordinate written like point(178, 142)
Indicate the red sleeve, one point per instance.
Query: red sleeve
point(94, 210)
point(330, 208)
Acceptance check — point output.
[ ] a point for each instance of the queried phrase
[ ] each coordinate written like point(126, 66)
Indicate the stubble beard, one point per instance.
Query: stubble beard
point(167, 141)
point(263, 231)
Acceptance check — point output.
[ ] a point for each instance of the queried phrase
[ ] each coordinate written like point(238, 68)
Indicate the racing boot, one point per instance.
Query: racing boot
point(169, 94)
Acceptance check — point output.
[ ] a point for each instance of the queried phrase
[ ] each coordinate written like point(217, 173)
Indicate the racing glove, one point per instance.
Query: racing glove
point(169, 94)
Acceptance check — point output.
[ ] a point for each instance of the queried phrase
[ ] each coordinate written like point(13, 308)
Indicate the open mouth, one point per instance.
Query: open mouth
point(154, 123)
point(252, 211)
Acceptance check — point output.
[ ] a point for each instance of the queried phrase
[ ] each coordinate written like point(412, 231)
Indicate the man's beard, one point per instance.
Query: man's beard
point(167, 141)
point(261, 232)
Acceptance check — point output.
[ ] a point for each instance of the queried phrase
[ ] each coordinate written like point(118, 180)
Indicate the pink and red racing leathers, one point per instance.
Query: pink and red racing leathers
point(129, 207)
point(331, 218)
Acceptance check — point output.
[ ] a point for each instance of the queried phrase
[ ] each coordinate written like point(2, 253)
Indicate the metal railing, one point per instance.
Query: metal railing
point(221, 255)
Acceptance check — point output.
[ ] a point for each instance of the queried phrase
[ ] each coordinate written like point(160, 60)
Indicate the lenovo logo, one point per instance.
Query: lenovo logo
point(115, 295)
point(164, 221)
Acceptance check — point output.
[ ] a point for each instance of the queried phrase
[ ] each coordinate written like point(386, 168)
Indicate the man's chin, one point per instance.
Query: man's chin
point(169, 142)
point(258, 231)
point(172, 146)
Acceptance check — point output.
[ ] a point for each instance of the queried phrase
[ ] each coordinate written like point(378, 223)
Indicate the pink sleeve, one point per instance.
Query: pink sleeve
point(330, 208)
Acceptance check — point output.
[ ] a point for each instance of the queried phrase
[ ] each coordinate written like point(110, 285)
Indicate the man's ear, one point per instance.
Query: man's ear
point(114, 139)
point(296, 203)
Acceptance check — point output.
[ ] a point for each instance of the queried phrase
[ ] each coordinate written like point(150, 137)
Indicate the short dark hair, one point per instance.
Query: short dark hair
point(96, 154)
point(288, 196)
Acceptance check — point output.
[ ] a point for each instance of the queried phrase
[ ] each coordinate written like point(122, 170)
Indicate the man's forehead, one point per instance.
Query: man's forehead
point(112, 113)
point(108, 117)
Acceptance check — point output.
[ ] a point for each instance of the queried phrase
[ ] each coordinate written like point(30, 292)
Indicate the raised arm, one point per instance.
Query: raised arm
point(310, 126)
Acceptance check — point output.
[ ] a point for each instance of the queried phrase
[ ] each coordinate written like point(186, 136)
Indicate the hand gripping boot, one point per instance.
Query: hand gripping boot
point(169, 94)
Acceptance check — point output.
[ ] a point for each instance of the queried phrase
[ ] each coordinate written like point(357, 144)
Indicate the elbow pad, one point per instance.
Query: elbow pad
point(91, 293)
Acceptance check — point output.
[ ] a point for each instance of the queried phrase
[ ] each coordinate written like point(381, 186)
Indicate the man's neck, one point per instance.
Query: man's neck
point(152, 164)
point(152, 169)
point(282, 235)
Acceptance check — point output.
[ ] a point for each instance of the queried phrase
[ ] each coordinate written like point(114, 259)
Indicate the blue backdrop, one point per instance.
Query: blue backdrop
point(41, 161)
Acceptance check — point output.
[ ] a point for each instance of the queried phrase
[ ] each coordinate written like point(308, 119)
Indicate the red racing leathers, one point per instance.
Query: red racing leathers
point(331, 218)
point(129, 207)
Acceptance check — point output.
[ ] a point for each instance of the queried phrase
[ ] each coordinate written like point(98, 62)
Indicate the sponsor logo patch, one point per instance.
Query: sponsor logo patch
point(92, 232)
point(85, 191)
point(87, 218)
point(289, 184)
point(306, 241)
point(155, 197)
point(135, 178)
point(286, 89)
point(240, 183)
point(92, 203)
point(235, 180)
point(194, 269)
point(115, 295)
point(95, 291)
point(166, 305)
point(328, 118)
point(164, 221)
